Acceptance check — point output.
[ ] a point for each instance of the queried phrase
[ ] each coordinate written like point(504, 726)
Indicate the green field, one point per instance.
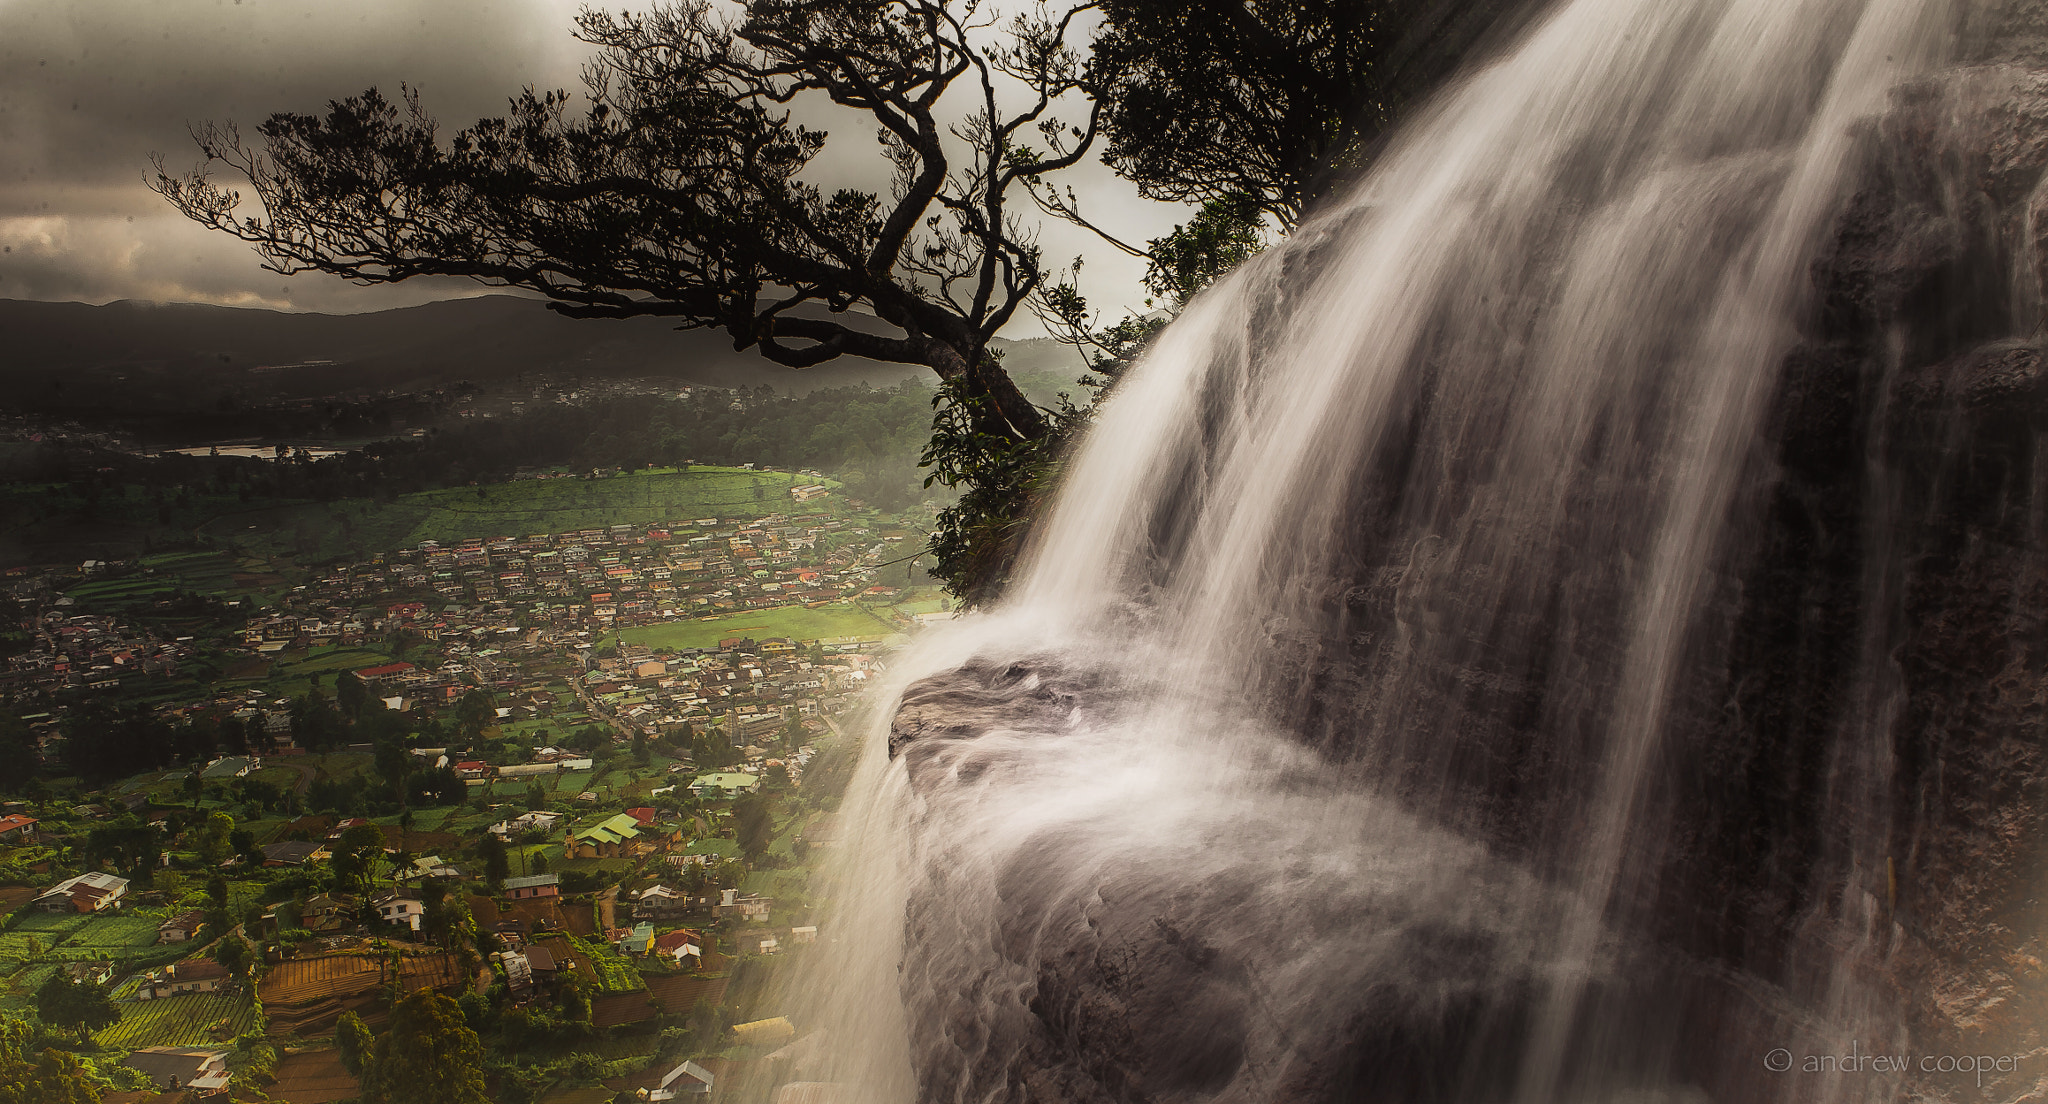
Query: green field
point(322, 531)
point(614, 974)
point(794, 622)
point(291, 677)
point(18, 993)
point(190, 1019)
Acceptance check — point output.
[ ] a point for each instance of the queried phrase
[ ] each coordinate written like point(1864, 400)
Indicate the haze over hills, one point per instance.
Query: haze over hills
point(153, 360)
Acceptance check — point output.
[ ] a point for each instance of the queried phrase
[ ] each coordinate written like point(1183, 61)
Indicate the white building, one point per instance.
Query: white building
point(400, 909)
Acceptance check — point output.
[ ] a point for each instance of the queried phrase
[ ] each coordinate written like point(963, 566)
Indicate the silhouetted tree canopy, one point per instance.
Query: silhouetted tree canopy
point(1269, 100)
point(686, 189)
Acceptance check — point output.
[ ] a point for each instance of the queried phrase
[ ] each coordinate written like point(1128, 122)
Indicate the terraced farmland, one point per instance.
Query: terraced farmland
point(307, 995)
point(192, 1019)
point(312, 1077)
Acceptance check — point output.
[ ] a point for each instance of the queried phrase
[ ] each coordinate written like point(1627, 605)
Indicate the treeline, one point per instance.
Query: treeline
point(872, 436)
point(876, 435)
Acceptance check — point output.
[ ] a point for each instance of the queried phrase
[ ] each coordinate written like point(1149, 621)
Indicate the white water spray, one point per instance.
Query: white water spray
point(1312, 757)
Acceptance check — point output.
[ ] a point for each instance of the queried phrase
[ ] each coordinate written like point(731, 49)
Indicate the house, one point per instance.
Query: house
point(533, 885)
point(687, 1079)
point(94, 892)
point(541, 961)
point(756, 941)
point(15, 828)
point(345, 824)
point(400, 908)
point(606, 840)
point(388, 673)
point(681, 945)
point(518, 972)
point(293, 853)
point(192, 975)
point(636, 940)
point(748, 906)
point(427, 866)
point(90, 973)
point(181, 927)
point(644, 816)
point(660, 903)
point(199, 1070)
point(325, 913)
point(535, 821)
point(724, 784)
point(473, 770)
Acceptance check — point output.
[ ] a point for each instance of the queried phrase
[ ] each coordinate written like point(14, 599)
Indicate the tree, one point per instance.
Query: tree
point(641, 754)
point(496, 866)
point(316, 723)
point(356, 856)
point(353, 1040)
point(215, 840)
point(169, 883)
point(394, 763)
point(436, 786)
point(1270, 102)
point(428, 1055)
point(234, 954)
point(243, 843)
point(350, 695)
point(448, 921)
point(753, 825)
point(53, 1077)
point(536, 796)
point(76, 1005)
point(1254, 109)
point(474, 712)
point(685, 190)
point(128, 841)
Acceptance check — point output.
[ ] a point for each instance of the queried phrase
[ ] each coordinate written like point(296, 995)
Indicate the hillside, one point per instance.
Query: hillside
point(163, 368)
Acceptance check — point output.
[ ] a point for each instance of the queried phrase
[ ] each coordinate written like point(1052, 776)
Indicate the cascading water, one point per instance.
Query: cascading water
point(1322, 752)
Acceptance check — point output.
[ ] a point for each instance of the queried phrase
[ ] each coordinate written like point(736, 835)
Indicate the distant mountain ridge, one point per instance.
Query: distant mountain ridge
point(75, 356)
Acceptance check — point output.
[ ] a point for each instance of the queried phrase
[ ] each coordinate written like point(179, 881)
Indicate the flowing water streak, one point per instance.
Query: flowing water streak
point(1436, 486)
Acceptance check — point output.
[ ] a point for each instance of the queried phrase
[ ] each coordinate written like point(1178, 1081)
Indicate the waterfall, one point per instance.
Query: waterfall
point(1325, 749)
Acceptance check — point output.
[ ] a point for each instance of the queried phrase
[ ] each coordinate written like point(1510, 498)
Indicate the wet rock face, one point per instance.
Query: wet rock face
point(1297, 942)
point(1882, 732)
point(1859, 755)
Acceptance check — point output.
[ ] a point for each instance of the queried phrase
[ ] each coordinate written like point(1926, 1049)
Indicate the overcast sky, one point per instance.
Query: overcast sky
point(90, 88)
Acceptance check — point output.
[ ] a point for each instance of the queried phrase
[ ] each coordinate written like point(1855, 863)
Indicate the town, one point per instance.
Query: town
point(577, 781)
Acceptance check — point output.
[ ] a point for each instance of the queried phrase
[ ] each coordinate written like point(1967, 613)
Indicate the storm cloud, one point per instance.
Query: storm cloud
point(89, 89)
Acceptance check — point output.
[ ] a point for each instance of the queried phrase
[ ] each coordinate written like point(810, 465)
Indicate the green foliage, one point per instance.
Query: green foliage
point(75, 1005)
point(356, 857)
point(614, 974)
point(234, 954)
point(1225, 233)
point(754, 824)
point(497, 866)
point(51, 1077)
point(214, 839)
point(975, 542)
point(428, 1055)
point(353, 1041)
